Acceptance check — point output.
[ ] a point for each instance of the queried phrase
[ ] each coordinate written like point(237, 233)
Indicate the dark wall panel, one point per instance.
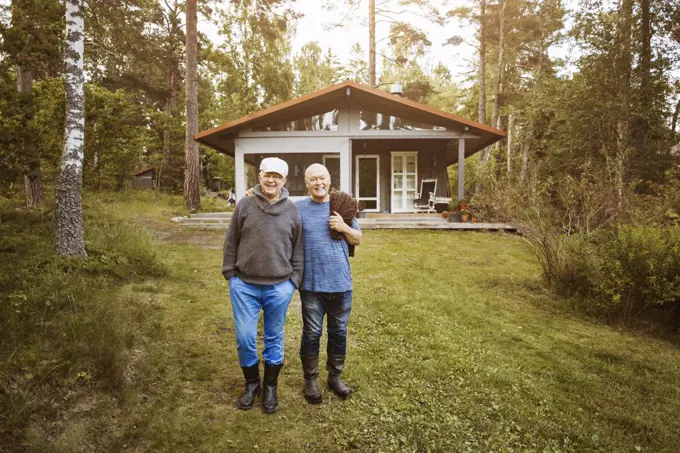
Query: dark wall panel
point(431, 163)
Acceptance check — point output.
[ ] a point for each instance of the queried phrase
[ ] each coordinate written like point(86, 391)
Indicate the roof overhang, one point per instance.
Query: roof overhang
point(222, 137)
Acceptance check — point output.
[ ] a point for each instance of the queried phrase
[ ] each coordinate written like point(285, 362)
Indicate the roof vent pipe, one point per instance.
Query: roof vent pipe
point(395, 89)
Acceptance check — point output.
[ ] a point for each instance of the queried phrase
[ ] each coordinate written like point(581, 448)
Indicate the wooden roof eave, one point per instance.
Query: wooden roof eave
point(317, 102)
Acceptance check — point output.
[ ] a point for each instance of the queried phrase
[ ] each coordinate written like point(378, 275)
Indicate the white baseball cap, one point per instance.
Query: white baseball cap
point(274, 165)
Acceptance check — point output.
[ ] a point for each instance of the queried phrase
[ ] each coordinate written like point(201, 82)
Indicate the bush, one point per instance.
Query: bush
point(640, 268)
point(622, 255)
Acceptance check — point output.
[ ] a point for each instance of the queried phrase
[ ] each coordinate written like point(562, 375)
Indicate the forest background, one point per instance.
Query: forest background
point(589, 169)
point(588, 92)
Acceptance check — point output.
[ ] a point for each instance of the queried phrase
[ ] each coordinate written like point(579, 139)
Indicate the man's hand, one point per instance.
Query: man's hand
point(249, 193)
point(337, 223)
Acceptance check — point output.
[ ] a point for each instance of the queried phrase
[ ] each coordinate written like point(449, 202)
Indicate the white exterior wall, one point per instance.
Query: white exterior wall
point(277, 146)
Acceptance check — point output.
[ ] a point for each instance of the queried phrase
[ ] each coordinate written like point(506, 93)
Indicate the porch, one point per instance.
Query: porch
point(385, 174)
point(372, 221)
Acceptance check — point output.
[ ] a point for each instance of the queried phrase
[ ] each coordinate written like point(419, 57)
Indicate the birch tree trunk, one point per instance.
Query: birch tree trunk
point(69, 209)
point(35, 197)
point(371, 44)
point(192, 197)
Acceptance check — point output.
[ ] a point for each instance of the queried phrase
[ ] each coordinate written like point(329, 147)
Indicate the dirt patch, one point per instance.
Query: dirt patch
point(171, 232)
point(206, 239)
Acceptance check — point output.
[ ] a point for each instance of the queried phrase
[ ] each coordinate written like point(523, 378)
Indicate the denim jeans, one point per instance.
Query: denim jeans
point(247, 299)
point(337, 306)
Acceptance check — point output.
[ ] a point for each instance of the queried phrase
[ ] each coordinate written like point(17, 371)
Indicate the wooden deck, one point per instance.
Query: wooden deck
point(372, 221)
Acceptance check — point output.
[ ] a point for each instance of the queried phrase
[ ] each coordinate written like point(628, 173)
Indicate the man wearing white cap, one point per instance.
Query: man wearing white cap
point(263, 261)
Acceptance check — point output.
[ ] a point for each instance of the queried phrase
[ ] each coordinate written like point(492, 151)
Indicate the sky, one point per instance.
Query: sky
point(460, 60)
point(313, 27)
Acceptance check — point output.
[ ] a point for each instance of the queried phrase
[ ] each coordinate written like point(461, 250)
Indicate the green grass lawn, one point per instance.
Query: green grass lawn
point(454, 346)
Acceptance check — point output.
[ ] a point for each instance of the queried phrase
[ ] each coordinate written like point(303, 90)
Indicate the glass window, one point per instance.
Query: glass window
point(398, 198)
point(411, 182)
point(398, 164)
point(323, 122)
point(398, 182)
point(370, 121)
point(410, 164)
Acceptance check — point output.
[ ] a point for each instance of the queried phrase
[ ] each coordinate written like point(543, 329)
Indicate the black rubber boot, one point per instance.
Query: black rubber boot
point(310, 368)
point(334, 365)
point(253, 388)
point(271, 377)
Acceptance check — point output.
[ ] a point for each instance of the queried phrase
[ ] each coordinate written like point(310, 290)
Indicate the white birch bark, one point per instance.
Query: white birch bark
point(69, 210)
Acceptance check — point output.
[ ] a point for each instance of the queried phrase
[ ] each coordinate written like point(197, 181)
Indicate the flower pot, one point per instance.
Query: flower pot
point(361, 214)
point(465, 217)
point(454, 218)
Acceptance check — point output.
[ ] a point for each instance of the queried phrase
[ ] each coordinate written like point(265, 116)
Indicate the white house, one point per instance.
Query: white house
point(378, 146)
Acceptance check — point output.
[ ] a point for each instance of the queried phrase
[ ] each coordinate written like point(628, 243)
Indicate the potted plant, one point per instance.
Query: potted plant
point(445, 214)
point(361, 205)
point(454, 216)
point(459, 211)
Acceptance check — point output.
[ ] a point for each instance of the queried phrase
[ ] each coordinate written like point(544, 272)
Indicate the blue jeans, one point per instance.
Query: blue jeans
point(247, 299)
point(314, 306)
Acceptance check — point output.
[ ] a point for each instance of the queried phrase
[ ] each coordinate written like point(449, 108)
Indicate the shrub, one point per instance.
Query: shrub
point(640, 268)
point(620, 254)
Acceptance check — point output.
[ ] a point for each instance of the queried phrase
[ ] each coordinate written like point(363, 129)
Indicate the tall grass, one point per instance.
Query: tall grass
point(63, 326)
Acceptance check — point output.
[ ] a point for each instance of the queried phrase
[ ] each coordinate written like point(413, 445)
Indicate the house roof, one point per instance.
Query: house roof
point(331, 97)
point(143, 170)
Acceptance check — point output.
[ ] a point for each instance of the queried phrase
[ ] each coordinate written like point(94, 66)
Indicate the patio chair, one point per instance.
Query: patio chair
point(424, 200)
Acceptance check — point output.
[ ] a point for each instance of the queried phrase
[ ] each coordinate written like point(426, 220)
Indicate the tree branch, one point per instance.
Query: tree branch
point(109, 52)
point(388, 37)
point(388, 58)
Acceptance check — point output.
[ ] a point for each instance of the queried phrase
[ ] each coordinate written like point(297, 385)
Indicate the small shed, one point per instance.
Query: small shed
point(144, 178)
point(215, 184)
point(377, 145)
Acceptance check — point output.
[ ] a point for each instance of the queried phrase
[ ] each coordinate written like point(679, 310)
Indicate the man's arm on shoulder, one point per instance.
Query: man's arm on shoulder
point(298, 259)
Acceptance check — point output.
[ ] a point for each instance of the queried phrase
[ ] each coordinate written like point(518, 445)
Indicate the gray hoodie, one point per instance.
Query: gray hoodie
point(264, 241)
